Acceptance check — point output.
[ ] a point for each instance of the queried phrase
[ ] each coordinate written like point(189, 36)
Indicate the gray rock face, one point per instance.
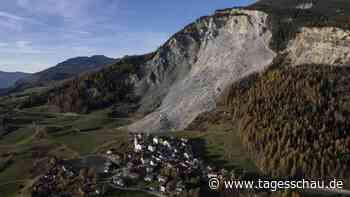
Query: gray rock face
point(327, 45)
point(188, 73)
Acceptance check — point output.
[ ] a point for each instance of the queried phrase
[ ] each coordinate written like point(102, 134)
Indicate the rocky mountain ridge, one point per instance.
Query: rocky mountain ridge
point(186, 76)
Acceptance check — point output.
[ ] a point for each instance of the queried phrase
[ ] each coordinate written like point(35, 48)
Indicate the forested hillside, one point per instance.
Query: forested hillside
point(63, 70)
point(295, 122)
point(112, 85)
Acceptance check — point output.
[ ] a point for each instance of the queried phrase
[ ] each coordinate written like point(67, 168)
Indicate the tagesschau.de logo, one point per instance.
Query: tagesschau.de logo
point(215, 183)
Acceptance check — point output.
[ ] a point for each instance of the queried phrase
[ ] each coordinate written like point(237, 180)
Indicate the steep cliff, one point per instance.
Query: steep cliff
point(227, 46)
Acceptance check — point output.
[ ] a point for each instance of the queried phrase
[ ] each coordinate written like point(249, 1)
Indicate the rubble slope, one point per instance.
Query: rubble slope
point(233, 44)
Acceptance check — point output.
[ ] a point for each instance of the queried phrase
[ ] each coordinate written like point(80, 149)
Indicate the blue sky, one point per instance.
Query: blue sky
point(37, 34)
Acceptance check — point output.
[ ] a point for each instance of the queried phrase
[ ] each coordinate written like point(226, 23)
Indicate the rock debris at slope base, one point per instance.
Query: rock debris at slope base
point(233, 46)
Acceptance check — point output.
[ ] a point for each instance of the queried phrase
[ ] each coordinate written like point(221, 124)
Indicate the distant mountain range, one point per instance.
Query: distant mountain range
point(8, 79)
point(63, 70)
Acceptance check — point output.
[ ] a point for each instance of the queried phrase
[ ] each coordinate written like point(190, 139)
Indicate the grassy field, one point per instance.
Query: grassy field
point(220, 147)
point(42, 135)
point(18, 174)
point(18, 136)
point(8, 189)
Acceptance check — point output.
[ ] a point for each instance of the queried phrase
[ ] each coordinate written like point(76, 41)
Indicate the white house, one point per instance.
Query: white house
point(151, 148)
point(148, 178)
point(109, 152)
point(158, 159)
point(305, 6)
point(166, 143)
point(186, 155)
point(184, 140)
point(155, 140)
point(162, 188)
point(153, 163)
point(137, 146)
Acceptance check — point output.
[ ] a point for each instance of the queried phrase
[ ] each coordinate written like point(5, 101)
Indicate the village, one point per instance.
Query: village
point(161, 165)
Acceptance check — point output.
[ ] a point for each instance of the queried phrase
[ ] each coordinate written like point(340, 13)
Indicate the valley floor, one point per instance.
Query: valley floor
point(39, 136)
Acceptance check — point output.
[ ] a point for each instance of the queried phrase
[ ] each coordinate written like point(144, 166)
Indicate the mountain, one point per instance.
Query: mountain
point(183, 78)
point(8, 79)
point(280, 67)
point(186, 75)
point(64, 70)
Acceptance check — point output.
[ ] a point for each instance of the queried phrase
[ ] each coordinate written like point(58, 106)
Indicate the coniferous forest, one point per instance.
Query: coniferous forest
point(295, 121)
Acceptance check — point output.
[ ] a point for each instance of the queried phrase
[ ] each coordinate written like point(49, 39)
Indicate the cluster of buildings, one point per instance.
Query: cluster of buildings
point(47, 184)
point(58, 173)
point(158, 164)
